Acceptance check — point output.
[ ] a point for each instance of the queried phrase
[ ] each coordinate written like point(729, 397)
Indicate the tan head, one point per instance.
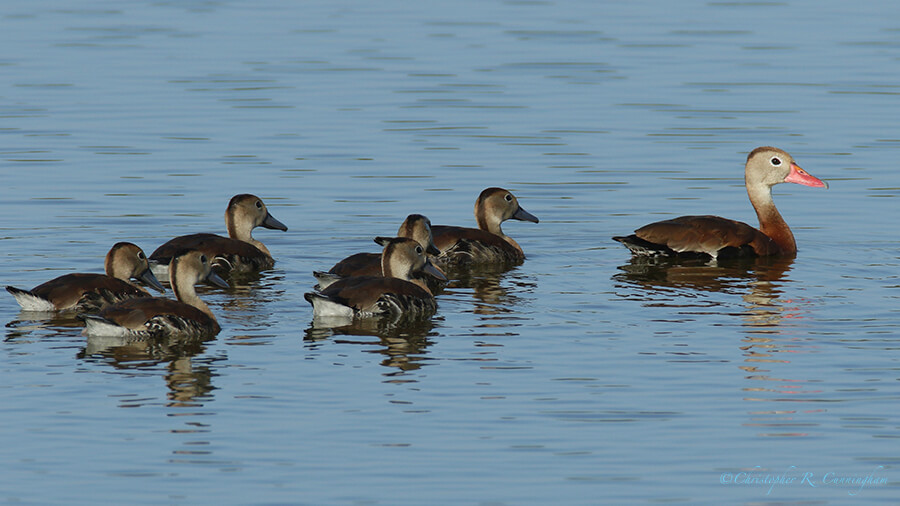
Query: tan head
point(404, 258)
point(768, 166)
point(126, 261)
point(418, 228)
point(192, 267)
point(188, 268)
point(496, 205)
point(246, 212)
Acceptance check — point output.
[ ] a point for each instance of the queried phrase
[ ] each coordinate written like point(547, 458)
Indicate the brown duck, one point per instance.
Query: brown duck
point(415, 226)
point(716, 237)
point(399, 292)
point(487, 243)
point(239, 252)
point(156, 316)
point(91, 292)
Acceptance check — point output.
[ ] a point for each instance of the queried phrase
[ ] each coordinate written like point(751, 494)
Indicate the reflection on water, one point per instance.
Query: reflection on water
point(355, 115)
point(487, 286)
point(189, 384)
point(769, 321)
point(35, 324)
point(489, 295)
point(401, 340)
point(749, 277)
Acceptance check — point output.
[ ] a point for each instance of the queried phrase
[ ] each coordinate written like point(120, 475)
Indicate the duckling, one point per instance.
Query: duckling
point(92, 292)
point(188, 316)
point(415, 226)
point(239, 252)
point(398, 292)
point(462, 246)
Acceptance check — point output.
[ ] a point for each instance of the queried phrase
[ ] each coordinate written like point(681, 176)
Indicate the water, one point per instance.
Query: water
point(579, 377)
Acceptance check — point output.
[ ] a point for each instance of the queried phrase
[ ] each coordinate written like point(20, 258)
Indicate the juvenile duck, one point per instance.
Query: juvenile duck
point(91, 292)
point(156, 316)
point(415, 226)
point(487, 243)
point(712, 236)
point(398, 292)
point(238, 252)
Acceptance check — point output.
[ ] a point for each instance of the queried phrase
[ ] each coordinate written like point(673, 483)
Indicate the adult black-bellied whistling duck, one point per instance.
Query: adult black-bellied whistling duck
point(415, 226)
point(188, 316)
point(398, 292)
point(91, 292)
point(238, 252)
point(487, 243)
point(714, 236)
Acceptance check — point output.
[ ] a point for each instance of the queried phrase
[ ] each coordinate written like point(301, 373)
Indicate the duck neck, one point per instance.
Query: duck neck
point(512, 242)
point(770, 221)
point(183, 287)
point(421, 284)
point(388, 270)
point(243, 233)
point(486, 223)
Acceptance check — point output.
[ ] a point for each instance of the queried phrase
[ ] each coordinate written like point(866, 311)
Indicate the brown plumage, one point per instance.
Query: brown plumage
point(238, 252)
point(91, 292)
point(398, 292)
point(487, 243)
point(415, 226)
point(156, 316)
point(715, 236)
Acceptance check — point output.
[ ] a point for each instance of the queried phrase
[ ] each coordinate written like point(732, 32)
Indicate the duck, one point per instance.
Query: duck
point(90, 291)
point(462, 246)
point(149, 317)
point(415, 226)
point(399, 292)
point(237, 253)
point(716, 237)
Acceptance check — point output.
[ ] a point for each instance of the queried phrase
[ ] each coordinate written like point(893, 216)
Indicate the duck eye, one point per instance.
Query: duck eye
point(140, 255)
point(203, 259)
point(508, 197)
point(259, 204)
point(775, 161)
point(419, 250)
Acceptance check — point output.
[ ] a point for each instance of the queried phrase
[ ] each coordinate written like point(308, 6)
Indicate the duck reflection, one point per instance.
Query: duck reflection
point(34, 325)
point(759, 282)
point(486, 282)
point(249, 300)
point(769, 320)
point(190, 379)
point(189, 383)
point(403, 340)
point(759, 276)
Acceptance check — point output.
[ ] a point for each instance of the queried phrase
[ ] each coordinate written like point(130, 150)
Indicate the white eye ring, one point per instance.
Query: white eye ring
point(508, 197)
point(775, 161)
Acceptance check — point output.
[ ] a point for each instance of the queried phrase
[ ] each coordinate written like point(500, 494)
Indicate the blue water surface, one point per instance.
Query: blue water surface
point(579, 377)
